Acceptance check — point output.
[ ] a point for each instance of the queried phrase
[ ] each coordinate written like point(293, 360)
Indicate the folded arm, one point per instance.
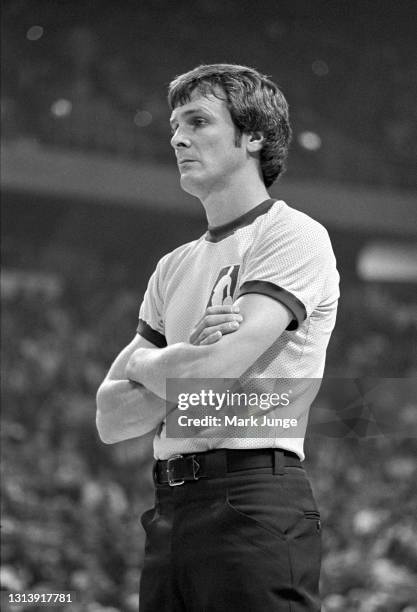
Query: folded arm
point(264, 320)
point(126, 409)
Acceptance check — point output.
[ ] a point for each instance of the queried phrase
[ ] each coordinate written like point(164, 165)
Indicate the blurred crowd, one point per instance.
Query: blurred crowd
point(72, 505)
point(93, 77)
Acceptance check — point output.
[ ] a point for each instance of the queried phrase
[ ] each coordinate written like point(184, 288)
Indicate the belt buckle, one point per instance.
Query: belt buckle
point(171, 480)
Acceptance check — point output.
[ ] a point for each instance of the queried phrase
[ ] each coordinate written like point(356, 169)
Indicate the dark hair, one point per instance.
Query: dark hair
point(255, 104)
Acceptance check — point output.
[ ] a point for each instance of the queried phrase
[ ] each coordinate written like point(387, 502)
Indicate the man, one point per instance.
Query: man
point(235, 525)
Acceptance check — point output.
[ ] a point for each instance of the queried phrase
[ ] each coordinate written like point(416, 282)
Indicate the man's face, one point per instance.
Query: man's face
point(204, 142)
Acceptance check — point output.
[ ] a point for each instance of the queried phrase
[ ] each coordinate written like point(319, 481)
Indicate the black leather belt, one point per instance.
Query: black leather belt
point(179, 469)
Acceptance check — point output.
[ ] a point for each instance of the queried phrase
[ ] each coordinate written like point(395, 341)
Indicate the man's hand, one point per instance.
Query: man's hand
point(217, 321)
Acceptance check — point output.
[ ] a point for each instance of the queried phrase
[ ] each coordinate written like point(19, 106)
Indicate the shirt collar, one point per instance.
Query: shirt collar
point(217, 233)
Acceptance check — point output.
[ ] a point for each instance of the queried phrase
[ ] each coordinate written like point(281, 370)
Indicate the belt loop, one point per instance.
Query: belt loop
point(155, 471)
point(279, 462)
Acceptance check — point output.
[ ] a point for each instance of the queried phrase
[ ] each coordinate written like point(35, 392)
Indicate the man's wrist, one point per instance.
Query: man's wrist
point(136, 366)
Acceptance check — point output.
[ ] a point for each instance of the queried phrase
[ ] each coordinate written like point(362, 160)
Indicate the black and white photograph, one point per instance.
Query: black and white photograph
point(209, 306)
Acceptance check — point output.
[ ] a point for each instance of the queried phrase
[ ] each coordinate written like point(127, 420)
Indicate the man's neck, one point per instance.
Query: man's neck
point(225, 205)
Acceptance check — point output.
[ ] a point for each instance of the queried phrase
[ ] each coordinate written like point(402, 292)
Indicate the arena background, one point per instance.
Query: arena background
point(90, 203)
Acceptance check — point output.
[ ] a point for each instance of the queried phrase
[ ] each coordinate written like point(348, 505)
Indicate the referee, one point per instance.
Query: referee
point(235, 525)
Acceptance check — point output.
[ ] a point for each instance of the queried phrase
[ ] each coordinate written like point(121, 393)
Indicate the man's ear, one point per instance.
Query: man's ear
point(255, 142)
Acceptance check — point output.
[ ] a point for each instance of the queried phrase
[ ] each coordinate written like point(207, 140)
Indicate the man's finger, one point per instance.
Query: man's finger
point(223, 309)
point(212, 338)
point(210, 323)
point(224, 328)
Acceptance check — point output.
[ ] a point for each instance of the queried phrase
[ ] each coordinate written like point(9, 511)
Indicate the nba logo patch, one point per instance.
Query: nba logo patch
point(224, 287)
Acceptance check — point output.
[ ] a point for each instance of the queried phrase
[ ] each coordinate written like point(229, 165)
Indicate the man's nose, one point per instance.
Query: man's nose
point(180, 139)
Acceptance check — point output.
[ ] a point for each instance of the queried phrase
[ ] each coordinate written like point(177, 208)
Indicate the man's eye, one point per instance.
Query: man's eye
point(198, 121)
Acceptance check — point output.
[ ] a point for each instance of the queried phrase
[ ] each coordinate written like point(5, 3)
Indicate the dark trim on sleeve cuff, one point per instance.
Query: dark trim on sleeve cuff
point(150, 334)
point(281, 295)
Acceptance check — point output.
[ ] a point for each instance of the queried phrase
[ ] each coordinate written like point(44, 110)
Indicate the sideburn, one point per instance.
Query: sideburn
point(238, 138)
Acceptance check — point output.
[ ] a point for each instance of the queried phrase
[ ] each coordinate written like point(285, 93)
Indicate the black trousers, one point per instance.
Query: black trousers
point(245, 542)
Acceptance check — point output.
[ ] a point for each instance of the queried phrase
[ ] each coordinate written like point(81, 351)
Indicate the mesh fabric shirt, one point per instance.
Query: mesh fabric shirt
point(273, 250)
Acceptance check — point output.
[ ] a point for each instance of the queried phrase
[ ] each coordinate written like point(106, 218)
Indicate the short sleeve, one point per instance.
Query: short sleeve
point(290, 262)
point(151, 323)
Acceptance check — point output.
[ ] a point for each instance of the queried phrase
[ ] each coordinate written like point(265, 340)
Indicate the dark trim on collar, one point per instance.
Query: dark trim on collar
point(219, 232)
